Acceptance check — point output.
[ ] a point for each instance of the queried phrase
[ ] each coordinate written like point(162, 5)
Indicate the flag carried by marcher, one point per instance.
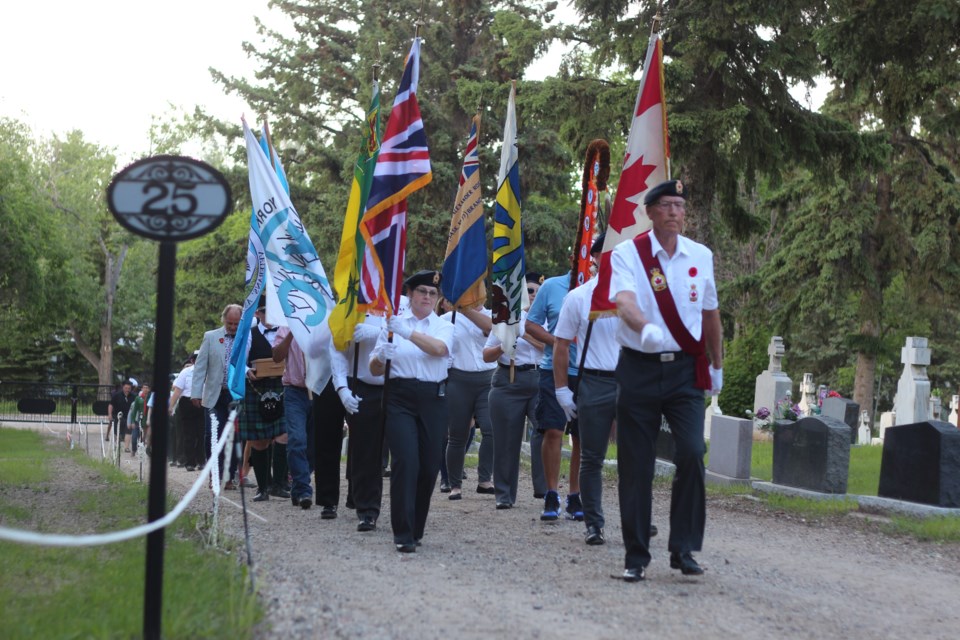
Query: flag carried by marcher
point(293, 266)
point(403, 167)
point(256, 272)
point(509, 285)
point(465, 263)
point(644, 166)
point(596, 170)
point(346, 276)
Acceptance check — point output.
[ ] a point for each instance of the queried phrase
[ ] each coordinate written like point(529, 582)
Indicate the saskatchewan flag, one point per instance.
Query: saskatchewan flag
point(346, 276)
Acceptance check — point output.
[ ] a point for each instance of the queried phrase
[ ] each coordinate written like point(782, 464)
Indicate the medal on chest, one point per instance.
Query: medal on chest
point(694, 294)
point(657, 280)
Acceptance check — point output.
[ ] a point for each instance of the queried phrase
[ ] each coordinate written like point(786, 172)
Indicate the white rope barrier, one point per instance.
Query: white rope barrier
point(60, 540)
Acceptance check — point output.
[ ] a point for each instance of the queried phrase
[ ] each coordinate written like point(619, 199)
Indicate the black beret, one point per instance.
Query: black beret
point(668, 188)
point(427, 277)
point(534, 277)
point(598, 243)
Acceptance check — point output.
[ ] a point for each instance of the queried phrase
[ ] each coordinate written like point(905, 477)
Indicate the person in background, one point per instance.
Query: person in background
point(189, 418)
point(118, 410)
point(512, 402)
point(209, 384)
point(468, 388)
point(137, 419)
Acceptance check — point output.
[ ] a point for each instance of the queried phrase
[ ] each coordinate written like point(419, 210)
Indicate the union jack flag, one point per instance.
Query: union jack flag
point(403, 167)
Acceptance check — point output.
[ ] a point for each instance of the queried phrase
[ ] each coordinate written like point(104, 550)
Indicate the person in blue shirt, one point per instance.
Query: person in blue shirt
point(551, 420)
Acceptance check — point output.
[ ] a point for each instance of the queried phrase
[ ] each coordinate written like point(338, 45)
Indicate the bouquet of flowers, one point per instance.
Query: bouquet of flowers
point(762, 418)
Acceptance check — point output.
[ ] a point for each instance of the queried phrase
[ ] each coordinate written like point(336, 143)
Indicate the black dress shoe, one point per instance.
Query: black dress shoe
point(490, 490)
point(653, 530)
point(444, 487)
point(261, 496)
point(328, 513)
point(504, 505)
point(409, 547)
point(685, 562)
point(279, 492)
point(305, 503)
point(455, 496)
point(367, 524)
point(634, 574)
point(594, 535)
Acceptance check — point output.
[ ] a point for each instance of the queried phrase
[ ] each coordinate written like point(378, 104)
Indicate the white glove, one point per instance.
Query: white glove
point(385, 351)
point(565, 399)
point(399, 327)
point(364, 331)
point(716, 380)
point(350, 402)
point(651, 338)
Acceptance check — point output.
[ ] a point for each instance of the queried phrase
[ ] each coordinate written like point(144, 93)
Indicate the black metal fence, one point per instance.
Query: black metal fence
point(45, 402)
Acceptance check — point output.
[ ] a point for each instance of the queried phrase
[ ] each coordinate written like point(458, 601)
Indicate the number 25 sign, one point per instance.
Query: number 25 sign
point(169, 198)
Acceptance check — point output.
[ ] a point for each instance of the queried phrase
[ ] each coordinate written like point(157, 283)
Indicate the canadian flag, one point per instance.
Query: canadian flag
point(644, 166)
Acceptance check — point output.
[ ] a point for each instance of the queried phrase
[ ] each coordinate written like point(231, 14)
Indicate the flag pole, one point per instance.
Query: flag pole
point(266, 131)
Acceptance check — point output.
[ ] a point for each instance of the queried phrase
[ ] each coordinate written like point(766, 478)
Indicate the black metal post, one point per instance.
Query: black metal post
point(156, 504)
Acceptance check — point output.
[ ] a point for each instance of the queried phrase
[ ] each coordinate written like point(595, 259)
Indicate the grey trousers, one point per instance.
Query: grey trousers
point(467, 397)
point(597, 408)
point(510, 405)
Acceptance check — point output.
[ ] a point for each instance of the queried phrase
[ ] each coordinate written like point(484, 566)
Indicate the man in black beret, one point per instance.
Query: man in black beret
point(671, 354)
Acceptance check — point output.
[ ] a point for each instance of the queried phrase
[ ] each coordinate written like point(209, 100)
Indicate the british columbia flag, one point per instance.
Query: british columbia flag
point(403, 167)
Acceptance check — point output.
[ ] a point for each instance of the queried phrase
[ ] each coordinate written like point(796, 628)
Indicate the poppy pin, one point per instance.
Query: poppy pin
point(693, 272)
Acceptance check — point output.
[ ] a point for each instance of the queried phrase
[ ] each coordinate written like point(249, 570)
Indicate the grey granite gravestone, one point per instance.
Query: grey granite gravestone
point(731, 445)
point(812, 453)
point(921, 463)
point(844, 410)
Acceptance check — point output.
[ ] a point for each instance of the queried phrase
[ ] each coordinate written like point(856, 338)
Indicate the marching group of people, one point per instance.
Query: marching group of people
point(416, 385)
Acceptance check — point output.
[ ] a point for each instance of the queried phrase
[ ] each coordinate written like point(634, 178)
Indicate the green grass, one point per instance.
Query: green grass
point(22, 458)
point(863, 477)
point(97, 592)
point(937, 529)
point(811, 508)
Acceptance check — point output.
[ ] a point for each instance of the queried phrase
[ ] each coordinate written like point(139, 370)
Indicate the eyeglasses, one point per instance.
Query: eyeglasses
point(681, 206)
point(430, 293)
point(531, 290)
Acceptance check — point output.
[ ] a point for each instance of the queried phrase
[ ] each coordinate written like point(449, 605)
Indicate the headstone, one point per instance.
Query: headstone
point(887, 419)
point(844, 410)
point(731, 447)
point(712, 410)
point(913, 389)
point(954, 405)
point(773, 384)
point(808, 395)
point(934, 407)
point(864, 434)
point(921, 463)
point(666, 447)
point(812, 453)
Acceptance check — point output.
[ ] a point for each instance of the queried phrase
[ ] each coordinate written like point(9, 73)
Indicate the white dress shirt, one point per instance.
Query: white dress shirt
point(343, 360)
point(689, 275)
point(525, 354)
point(603, 350)
point(410, 360)
point(468, 342)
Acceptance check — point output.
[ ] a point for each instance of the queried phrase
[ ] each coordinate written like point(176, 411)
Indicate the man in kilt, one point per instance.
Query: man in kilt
point(262, 420)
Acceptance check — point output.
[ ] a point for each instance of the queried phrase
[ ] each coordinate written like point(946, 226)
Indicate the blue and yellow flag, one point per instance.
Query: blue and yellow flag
point(465, 263)
point(509, 287)
point(346, 276)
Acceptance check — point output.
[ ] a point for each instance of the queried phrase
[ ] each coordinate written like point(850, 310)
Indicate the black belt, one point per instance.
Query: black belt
point(600, 373)
point(519, 367)
point(665, 356)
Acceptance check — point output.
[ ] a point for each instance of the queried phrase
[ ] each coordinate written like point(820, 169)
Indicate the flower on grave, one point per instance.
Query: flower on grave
point(761, 418)
point(787, 409)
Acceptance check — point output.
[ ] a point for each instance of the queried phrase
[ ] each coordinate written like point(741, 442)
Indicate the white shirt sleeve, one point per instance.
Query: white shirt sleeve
point(622, 276)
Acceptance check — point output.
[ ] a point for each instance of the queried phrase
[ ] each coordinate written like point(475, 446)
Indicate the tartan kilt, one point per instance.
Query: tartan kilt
point(252, 427)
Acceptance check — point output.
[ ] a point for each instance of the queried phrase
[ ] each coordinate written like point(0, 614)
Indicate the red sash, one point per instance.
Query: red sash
point(668, 309)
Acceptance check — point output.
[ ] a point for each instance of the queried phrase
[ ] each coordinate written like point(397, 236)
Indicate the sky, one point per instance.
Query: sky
point(107, 66)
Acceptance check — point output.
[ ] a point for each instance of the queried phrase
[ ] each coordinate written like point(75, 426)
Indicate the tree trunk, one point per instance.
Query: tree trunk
point(865, 378)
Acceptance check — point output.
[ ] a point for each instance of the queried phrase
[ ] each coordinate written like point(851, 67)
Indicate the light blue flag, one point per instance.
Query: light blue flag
point(255, 273)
